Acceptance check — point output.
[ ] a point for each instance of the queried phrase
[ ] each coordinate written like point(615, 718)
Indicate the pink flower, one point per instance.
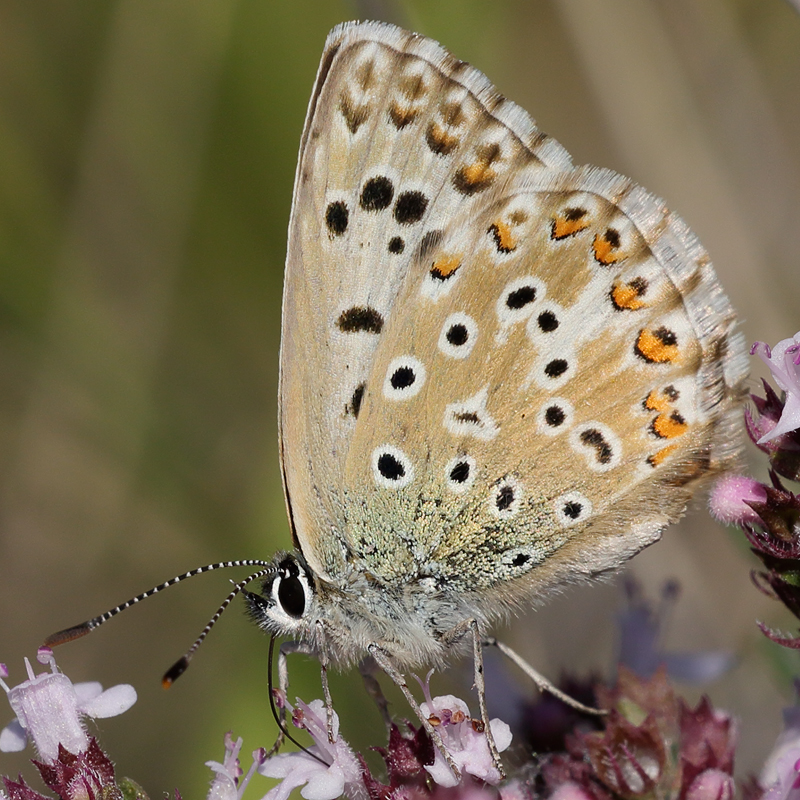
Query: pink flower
point(49, 708)
point(783, 361)
point(713, 784)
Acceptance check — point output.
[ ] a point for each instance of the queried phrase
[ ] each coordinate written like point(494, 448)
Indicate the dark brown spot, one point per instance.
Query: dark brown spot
point(396, 245)
point(356, 399)
point(354, 116)
point(360, 318)
point(467, 416)
point(572, 509)
point(377, 194)
point(520, 560)
point(452, 115)
point(365, 75)
point(336, 217)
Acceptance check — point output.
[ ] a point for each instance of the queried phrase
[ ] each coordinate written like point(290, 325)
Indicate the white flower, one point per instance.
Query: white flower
point(781, 773)
point(783, 361)
point(466, 745)
point(228, 783)
point(49, 708)
point(327, 771)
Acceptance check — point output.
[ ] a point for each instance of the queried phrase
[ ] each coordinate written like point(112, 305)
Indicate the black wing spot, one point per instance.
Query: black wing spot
point(519, 298)
point(390, 467)
point(457, 335)
point(556, 368)
point(336, 218)
point(396, 245)
point(402, 378)
point(554, 416)
point(410, 207)
point(505, 497)
point(360, 318)
point(595, 439)
point(377, 194)
point(547, 321)
point(460, 472)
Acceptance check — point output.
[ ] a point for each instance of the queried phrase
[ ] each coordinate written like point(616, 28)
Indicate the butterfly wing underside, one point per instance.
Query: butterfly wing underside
point(498, 372)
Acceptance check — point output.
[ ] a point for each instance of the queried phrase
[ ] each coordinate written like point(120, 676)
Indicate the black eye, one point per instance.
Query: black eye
point(291, 593)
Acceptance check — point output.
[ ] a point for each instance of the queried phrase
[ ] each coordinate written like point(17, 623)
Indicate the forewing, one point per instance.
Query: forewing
point(392, 120)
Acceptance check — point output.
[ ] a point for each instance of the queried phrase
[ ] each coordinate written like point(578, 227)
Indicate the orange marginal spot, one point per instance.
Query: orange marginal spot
point(668, 426)
point(605, 247)
point(569, 223)
point(656, 459)
point(658, 347)
point(402, 115)
point(445, 267)
point(655, 401)
point(476, 176)
point(501, 233)
point(439, 140)
point(626, 296)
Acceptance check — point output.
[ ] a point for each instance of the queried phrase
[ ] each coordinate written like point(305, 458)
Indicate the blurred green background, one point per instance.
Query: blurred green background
point(147, 151)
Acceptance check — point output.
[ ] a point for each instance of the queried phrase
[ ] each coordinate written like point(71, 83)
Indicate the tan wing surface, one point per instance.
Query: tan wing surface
point(498, 372)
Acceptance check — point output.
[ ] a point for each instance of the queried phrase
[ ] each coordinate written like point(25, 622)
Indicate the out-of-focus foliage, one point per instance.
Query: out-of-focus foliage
point(147, 151)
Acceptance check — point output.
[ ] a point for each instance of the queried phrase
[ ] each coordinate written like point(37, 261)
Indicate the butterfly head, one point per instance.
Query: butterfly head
point(285, 605)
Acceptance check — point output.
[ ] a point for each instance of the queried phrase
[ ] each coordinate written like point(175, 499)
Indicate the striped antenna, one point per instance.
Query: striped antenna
point(180, 666)
point(76, 631)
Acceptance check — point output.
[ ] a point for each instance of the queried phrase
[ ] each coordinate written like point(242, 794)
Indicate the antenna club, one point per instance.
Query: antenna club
point(68, 634)
point(174, 672)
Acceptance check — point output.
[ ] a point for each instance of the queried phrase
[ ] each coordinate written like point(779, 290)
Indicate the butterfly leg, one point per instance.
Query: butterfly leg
point(367, 667)
point(384, 661)
point(452, 637)
point(326, 690)
point(283, 687)
point(541, 682)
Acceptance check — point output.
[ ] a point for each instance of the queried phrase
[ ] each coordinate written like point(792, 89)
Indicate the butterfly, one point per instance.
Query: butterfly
point(500, 373)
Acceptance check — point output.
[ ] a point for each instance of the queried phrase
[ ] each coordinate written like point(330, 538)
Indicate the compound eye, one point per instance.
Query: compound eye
point(291, 592)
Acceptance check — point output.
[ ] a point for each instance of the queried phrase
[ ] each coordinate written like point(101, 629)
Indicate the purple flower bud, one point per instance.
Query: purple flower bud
point(730, 498)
